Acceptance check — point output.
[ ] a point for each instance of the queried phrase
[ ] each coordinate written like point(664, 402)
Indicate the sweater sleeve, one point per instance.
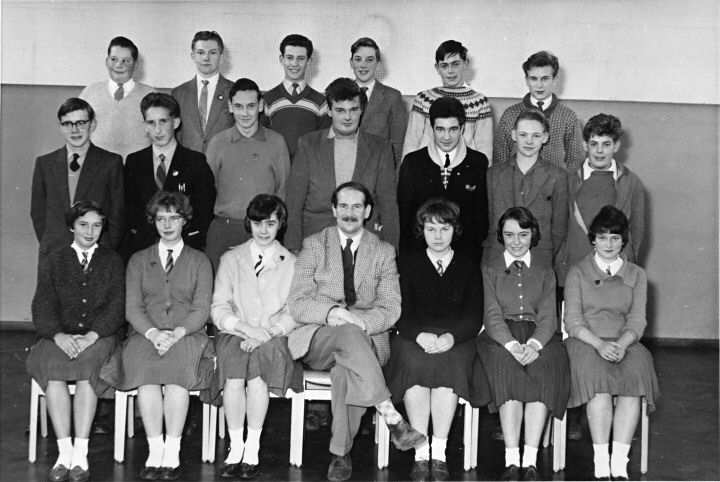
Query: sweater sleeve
point(398, 127)
point(637, 216)
point(417, 124)
point(559, 220)
point(546, 319)
point(574, 146)
point(386, 197)
point(407, 324)
point(636, 320)
point(502, 144)
point(112, 312)
point(45, 304)
point(297, 195)
point(223, 314)
point(197, 317)
point(483, 135)
point(494, 320)
point(574, 319)
point(135, 309)
point(469, 320)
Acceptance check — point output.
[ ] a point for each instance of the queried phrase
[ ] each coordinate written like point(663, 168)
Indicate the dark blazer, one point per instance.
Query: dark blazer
point(188, 173)
point(386, 116)
point(101, 180)
point(312, 182)
point(191, 134)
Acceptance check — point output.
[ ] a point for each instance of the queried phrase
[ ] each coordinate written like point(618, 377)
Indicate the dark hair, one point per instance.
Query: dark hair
point(609, 220)
point(450, 47)
point(525, 220)
point(125, 43)
point(365, 42)
point(158, 99)
point(80, 209)
point(206, 35)
point(603, 125)
point(344, 89)
point(356, 186)
point(75, 103)
point(244, 85)
point(297, 40)
point(438, 210)
point(445, 107)
point(533, 114)
point(541, 59)
point(262, 207)
point(168, 200)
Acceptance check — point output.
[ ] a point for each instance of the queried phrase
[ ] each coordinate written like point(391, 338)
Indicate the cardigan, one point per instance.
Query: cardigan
point(68, 300)
point(166, 301)
point(564, 148)
point(478, 133)
point(451, 303)
point(120, 124)
point(259, 301)
point(606, 305)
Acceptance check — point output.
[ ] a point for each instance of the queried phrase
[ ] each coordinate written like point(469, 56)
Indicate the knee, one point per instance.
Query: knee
point(351, 335)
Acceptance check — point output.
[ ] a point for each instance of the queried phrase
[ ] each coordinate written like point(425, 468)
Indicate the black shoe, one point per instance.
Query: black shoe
point(78, 474)
point(169, 473)
point(602, 478)
point(101, 427)
point(510, 473)
point(150, 473)
point(316, 420)
point(420, 470)
point(340, 468)
point(531, 473)
point(230, 470)
point(439, 470)
point(619, 477)
point(404, 436)
point(59, 474)
point(249, 471)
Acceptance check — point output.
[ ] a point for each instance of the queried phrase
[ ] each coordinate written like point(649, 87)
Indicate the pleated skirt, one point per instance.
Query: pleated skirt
point(545, 380)
point(591, 374)
point(409, 365)
point(48, 362)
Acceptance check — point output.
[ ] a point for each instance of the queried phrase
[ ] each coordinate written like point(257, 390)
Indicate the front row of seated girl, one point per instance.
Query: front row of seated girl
point(516, 366)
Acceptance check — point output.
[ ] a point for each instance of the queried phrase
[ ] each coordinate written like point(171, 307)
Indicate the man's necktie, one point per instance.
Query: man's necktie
point(169, 263)
point(447, 160)
point(119, 93)
point(349, 274)
point(445, 171)
point(519, 265)
point(364, 91)
point(161, 173)
point(440, 269)
point(295, 86)
point(84, 262)
point(540, 104)
point(259, 266)
point(202, 105)
point(74, 164)
point(607, 270)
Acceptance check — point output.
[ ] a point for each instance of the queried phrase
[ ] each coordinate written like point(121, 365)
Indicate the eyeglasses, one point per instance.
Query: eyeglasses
point(79, 124)
point(171, 219)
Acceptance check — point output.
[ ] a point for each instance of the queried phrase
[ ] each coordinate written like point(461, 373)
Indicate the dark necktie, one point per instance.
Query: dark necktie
point(169, 263)
point(295, 86)
point(119, 93)
point(349, 274)
point(440, 269)
point(519, 265)
point(161, 173)
point(540, 104)
point(84, 262)
point(447, 160)
point(364, 91)
point(445, 171)
point(258, 266)
point(202, 105)
point(74, 164)
point(607, 270)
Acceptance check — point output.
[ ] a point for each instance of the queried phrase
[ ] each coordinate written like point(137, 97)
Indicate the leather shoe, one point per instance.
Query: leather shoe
point(78, 474)
point(602, 478)
point(150, 473)
point(439, 470)
point(420, 470)
point(511, 473)
point(169, 473)
point(59, 473)
point(404, 437)
point(249, 471)
point(531, 473)
point(230, 470)
point(316, 420)
point(340, 468)
point(618, 477)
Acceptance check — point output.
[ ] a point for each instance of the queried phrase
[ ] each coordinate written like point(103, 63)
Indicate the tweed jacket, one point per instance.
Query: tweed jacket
point(318, 287)
point(385, 116)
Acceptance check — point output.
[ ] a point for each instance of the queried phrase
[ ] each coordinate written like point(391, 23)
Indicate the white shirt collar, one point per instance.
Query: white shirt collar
point(255, 251)
point(452, 154)
point(288, 85)
point(212, 81)
point(79, 251)
point(587, 169)
point(445, 258)
point(546, 102)
point(127, 87)
point(510, 259)
point(370, 86)
point(168, 151)
point(604, 265)
point(176, 250)
point(356, 240)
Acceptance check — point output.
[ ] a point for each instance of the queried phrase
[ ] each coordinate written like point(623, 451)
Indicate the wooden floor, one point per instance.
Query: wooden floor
point(683, 434)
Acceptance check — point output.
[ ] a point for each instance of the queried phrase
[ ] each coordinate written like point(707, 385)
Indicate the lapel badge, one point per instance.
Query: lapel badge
point(470, 188)
point(181, 187)
point(175, 173)
point(220, 97)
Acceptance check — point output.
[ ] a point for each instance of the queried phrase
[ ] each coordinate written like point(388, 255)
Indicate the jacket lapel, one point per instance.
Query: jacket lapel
point(541, 178)
point(361, 157)
point(363, 259)
point(216, 105)
point(87, 174)
point(376, 99)
point(334, 256)
point(177, 165)
point(327, 160)
point(60, 172)
point(194, 101)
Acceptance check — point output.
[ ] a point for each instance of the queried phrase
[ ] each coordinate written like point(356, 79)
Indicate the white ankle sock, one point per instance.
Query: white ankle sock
point(529, 456)
point(422, 452)
point(619, 459)
point(438, 448)
point(512, 456)
point(65, 452)
point(252, 446)
point(156, 447)
point(602, 460)
point(79, 456)
point(171, 453)
point(237, 447)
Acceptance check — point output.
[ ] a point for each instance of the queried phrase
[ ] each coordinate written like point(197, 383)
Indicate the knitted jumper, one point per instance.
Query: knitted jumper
point(478, 126)
point(294, 116)
point(565, 146)
point(120, 126)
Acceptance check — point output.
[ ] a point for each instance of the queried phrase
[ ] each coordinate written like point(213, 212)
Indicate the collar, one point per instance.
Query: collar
point(212, 81)
point(603, 265)
point(238, 136)
point(354, 137)
point(176, 250)
point(289, 88)
point(510, 259)
point(82, 152)
point(587, 170)
point(127, 86)
point(168, 151)
point(434, 258)
point(255, 251)
point(356, 240)
point(452, 154)
point(79, 251)
point(370, 86)
point(546, 103)
point(457, 155)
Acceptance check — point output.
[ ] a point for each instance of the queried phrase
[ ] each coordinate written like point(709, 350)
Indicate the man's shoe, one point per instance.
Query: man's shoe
point(404, 437)
point(340, 468)
point(150, 473)
point(439, 470)
point(420, 470)
point(618, 477)
point(531, 473)
point(230, 470)
point(169, 473)
point(59, 474)
point(249, 471)
point(511, 473)
point(78, 474)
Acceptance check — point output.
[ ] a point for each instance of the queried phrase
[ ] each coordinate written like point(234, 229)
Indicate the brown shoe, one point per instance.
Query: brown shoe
point(59, 474)
point(404, 437)
point(340, 468)
point(78, 474)
point(420, 470)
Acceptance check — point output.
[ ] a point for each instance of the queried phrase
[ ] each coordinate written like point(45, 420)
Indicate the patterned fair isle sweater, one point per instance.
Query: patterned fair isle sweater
point(478, 133)
point(565, 147)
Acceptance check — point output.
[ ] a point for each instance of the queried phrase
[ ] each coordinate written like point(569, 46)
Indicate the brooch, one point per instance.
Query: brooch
point(175, 173)
point(470, 188)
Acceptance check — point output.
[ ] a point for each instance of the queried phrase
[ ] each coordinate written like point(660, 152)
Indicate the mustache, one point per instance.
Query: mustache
point(350, 219)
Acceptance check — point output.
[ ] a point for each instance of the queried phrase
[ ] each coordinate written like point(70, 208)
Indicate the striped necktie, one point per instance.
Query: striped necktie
point(259, 266)
point(202, 105)
point(84, 263)
point(440, 269)
point(169, 263)
point(161, 173)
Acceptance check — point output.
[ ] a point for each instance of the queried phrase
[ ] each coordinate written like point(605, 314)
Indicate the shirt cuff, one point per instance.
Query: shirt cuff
point(150, 331)
point(511, 344)
point(534, 342)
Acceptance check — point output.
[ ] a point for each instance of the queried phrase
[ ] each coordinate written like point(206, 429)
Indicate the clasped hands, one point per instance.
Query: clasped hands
point(611, 351)
point(433, 344)
point(73, 345)
point(163, 340)
point(524, 354)
point(256, 336)
point(341, 316)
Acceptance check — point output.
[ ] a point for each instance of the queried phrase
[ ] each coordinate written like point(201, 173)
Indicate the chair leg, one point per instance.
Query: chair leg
point(43, 414)
point(467, 435)
point(382, 435)
point(121, 412)
point(34, 399)
point(645, 438)
point(297, 426)
point(546, 432)
point(475, 435)
point(130, 416)
point(558, 443)
point(563, 441)
point(221, 423)
point(208, 431)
